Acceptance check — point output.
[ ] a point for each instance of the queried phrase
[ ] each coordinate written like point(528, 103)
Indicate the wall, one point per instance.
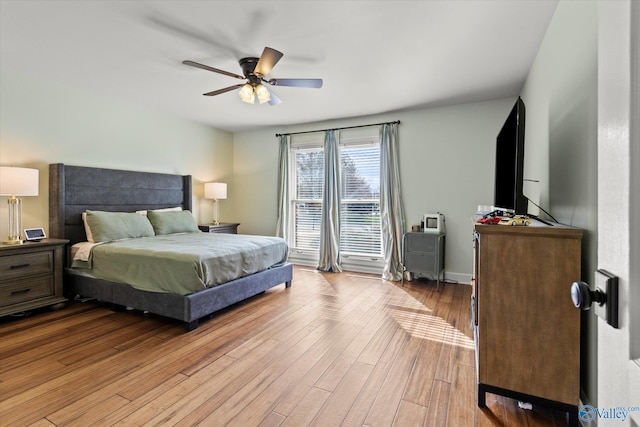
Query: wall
point(446, 155)
point(42, 123)
point(561, 141)
point(446, 160)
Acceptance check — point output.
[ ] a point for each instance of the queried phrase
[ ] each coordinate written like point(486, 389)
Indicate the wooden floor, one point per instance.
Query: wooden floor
point(335, 349)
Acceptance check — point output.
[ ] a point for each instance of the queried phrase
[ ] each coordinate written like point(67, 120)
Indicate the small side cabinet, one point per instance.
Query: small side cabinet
point(424, 253)
point(223, 227)
point(31, 276)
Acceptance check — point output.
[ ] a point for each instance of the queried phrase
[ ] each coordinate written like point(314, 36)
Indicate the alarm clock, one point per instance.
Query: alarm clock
point(34, 234)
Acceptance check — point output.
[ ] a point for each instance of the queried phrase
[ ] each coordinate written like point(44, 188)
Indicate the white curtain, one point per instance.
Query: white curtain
point(329, 259)
point(391, 208)
point(284, 198)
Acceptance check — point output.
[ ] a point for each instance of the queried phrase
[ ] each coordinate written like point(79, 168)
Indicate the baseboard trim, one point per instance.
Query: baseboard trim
point(461, 278)
point(449, 277)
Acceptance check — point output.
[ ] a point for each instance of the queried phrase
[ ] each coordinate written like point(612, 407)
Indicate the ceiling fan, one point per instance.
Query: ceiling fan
point(255, 71)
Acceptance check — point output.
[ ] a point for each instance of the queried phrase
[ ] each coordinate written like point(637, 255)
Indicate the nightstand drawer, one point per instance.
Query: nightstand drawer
point(19, 266)
point(421, 242)
point(420, 262)
point(31, 276)
point(26, 290)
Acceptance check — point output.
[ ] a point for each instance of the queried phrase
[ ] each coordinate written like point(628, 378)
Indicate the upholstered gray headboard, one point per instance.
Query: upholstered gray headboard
point(74, 189)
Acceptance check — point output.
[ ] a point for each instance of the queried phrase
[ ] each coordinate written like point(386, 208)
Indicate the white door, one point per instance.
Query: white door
point(619, 209)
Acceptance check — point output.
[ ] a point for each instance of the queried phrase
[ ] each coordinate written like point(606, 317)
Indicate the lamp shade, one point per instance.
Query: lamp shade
point(215, 190)
point(18, 181)
point(247, 94)
point(263, 94)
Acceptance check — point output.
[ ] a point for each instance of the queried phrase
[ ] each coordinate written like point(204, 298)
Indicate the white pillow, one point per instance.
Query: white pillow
point(87, 229)
point(177, 208)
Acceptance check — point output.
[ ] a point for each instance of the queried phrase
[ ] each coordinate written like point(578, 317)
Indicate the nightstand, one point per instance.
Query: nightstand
point(31, 275)
point(424, 253)
point(224, 227)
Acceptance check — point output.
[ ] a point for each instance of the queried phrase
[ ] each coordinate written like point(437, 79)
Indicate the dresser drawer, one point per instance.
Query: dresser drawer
point(31, 263)
point(25, 290)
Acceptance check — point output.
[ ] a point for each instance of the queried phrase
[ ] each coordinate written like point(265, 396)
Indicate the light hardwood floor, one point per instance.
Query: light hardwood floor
point(334, 349)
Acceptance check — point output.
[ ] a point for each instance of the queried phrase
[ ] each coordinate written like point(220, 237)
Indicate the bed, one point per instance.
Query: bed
point(75, 189)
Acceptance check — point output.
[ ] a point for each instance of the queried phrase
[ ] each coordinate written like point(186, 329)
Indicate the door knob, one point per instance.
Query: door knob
point(606, 302)
point(583, 296)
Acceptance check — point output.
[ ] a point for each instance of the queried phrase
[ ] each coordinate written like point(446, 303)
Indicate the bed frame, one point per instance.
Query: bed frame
point(74, 189)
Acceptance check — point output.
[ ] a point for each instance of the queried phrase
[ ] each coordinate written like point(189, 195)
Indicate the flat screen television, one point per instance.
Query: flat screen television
point(508, 194)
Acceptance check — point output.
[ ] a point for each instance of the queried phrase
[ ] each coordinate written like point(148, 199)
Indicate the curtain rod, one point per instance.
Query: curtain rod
point(346, 127)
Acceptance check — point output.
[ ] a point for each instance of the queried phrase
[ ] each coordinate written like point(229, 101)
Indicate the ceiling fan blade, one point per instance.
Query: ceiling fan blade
point(317, 83)
point(226, 89)
point(215, 70)
point(267, 61)
point(274, 98)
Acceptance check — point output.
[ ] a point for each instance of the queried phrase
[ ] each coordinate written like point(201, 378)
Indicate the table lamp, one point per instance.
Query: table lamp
point(215, 191)
point(17, 182)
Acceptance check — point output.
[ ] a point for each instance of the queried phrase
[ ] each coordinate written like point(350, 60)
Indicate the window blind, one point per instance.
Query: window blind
point(360, 205)
point(307, 198)
point(360, 232)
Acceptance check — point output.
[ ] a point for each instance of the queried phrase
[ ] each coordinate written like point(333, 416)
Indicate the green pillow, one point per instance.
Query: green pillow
point(168, 222)
point(109, 226)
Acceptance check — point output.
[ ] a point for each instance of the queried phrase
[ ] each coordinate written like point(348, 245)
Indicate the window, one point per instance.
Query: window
point(360, 205)
point(360, 221)
point(307, 198)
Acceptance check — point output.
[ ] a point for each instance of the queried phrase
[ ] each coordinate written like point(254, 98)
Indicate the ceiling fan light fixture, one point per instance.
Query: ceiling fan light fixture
point(263, 94)
point(247, 94)
point(254, 73)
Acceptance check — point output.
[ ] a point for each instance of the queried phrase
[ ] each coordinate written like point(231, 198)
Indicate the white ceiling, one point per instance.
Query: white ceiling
point(374, 56)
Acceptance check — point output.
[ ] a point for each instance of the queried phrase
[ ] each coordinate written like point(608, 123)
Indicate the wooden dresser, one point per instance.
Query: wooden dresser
point(31, 275)
point(527, 331)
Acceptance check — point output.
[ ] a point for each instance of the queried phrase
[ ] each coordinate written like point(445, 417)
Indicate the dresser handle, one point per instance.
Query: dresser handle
point(15, 267)
point(23, 291)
